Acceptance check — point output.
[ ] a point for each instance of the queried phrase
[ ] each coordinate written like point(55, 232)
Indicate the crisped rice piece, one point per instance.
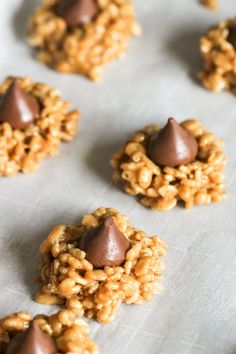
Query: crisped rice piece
point(68, 277)
point(211, 4)
point(160, 187)
point(86, 48)
point(218, 51)
point(23, 150)
point(71, 335)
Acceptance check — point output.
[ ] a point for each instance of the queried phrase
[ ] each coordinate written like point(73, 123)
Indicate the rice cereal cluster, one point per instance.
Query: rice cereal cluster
point(23, 150)
point(211, 4)
point(70, 333)
point(83, 49)
point(199, 182)
point(67, 277)
point(219, 58)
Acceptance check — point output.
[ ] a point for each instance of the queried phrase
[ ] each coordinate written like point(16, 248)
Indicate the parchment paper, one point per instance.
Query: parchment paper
point(196, 313)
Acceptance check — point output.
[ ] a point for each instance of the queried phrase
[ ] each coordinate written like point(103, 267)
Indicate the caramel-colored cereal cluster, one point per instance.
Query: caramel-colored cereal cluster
point(211, 4)
point(219, 58)
point(199, 182)
point(22, 151)
point(67, 276)
point(83, 49)
point(71, 334)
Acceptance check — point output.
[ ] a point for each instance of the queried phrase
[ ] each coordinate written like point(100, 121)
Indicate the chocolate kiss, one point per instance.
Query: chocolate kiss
point(232, 37)
point(31, 341)
point(172, 146)
point(77, 12)
point(18, 108)
point(105, 245)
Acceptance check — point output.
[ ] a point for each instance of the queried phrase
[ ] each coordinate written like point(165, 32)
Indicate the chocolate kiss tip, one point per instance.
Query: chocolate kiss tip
point(18, 108)
point(32, 341)
point(77, 12)
point(105, 245)
point(171, 120)
point(172, 145)
point(109, 221)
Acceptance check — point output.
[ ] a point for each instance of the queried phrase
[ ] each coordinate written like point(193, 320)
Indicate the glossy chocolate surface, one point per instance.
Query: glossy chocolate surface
point(77, 12)
point(32, 341)
point(172, 146)
point(18, 108)
point(105, 245)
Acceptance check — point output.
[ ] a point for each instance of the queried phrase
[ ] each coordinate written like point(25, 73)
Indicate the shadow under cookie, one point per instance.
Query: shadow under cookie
point(99, 156)
point(184, 46)
point(21, 17)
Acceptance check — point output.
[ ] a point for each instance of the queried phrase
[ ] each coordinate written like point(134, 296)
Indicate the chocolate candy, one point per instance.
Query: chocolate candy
point(77, 12)
point(32, 341)
point(18, 108)
point(105, 245)
point(232, 37)
point(172, 146)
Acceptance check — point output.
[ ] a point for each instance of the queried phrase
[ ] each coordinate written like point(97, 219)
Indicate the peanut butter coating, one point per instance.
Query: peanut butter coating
point(32, 341)
point(18, 108)
point(77, 12)
point(105, 245)
point(172, 146)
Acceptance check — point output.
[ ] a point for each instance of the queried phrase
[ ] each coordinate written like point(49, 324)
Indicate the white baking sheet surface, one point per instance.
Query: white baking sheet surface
point(196, 313)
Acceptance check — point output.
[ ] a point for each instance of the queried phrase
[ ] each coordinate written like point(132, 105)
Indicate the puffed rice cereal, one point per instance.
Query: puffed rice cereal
point(71, 334)
point(67, 277)
point(211, 4)
point(219, 58)
point(199, 182)
point(23, 150)
point(83, 49)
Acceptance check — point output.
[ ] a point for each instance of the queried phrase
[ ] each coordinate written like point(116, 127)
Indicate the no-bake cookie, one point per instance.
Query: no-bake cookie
point(178, 163)
point(218, 50)
point(95, 266)
point(80, 36)
point(34, 120)
point(61, 333)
